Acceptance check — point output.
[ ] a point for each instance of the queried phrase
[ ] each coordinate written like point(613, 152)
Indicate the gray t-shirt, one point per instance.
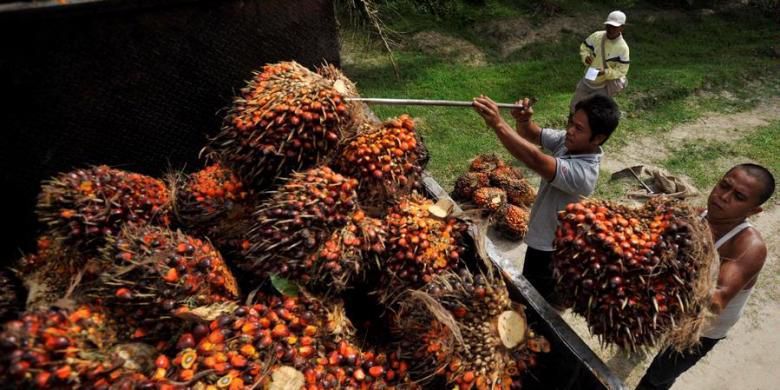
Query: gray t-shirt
point(575, 177)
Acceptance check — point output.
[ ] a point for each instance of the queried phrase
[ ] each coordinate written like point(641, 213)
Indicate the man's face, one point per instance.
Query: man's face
point(578, 134)
point(736, 196)
point(613, 32)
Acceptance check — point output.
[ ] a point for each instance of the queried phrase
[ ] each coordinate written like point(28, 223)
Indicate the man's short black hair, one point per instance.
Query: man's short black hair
point(603, 115)
point(762, 175)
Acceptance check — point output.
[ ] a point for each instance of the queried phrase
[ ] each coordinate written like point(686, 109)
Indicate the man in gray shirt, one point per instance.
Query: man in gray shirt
point(567, 175)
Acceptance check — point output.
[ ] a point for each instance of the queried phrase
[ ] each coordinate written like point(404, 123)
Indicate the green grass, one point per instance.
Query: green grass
point(671, 63)
point(698, 161)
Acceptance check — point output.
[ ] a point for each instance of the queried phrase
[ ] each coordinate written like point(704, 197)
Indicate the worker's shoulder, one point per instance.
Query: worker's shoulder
point(748, 245)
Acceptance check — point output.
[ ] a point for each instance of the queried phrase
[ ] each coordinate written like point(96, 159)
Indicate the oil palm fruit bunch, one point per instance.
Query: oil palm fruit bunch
point(490, 171)
point(635, 274)
point(53, 271)
point(468, 183)
point(348, 253)
point(486, 163)
point(84, 206)
point(296, 220)
point(490, 198)
point(387, 160)
point(213, 203)
point(512, 222)
point(464, 327)
point(11, 295)
point(156, 272)
point(58, 348)
point(510, 179)
point(240, 347)
point(286, 119)
point(420, 245)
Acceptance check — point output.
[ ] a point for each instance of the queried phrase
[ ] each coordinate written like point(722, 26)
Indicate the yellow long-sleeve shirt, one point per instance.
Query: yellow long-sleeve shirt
point(616, 51)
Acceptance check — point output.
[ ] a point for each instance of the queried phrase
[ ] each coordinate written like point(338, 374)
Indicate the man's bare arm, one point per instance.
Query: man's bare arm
point(737, 271)
point(526, 127)
point(515, 143)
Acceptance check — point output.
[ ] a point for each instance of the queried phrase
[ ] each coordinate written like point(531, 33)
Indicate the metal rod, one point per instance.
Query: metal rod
point(640, 180)
point(426, 102)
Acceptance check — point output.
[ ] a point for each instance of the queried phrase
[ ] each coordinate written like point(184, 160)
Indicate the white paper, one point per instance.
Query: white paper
point(591, 74)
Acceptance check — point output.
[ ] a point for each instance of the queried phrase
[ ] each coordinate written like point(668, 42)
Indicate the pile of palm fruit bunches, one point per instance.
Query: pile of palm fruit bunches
point(245, 274)
point(499, 189)
point(641, 276)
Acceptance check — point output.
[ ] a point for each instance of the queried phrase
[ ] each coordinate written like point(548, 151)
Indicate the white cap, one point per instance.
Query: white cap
point(616, 18)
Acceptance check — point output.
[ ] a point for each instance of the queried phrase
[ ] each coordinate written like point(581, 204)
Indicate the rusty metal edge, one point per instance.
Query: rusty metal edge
point(564, 332)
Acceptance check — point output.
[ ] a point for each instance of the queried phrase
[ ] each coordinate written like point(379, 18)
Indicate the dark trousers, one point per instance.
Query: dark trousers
point(537, 268)
point(668, 365)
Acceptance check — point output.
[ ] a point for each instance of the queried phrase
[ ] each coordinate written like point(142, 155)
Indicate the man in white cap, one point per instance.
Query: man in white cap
point(605, 54)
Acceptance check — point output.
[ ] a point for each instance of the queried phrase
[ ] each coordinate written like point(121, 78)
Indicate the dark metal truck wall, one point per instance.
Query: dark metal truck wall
point(135, 84)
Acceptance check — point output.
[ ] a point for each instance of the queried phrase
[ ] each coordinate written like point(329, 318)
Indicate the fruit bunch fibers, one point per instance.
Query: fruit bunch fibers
point(58, 348)
point(53, 271)
point(348, 254)
point(387, 160)
point(286, 119)
point(464, 327)
point(635, 274)
point(296, 220)
point(420, 245)
point(85, 206)
point(156, 273)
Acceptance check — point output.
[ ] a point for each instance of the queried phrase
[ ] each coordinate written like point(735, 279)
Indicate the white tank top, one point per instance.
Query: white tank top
point(721, 324)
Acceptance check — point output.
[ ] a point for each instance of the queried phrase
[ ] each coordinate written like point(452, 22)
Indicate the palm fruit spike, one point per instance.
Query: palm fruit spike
point(635, 274)
point(57, 348)
point(348, 253)
point(296, 220)
point(468, 183)
point(485, 163)
point(286, 119)
point(11, 295)
point(512, 222)
point(387, 160)
point(455, 326)
point(85, 206)
point(156, 272)
point(419, 245)
point(490, 198)
point(53, 271)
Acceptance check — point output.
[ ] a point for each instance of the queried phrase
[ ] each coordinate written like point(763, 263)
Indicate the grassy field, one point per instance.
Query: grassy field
point(681, 68)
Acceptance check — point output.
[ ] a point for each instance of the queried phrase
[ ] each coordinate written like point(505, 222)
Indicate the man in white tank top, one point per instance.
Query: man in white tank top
point(737, 196)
